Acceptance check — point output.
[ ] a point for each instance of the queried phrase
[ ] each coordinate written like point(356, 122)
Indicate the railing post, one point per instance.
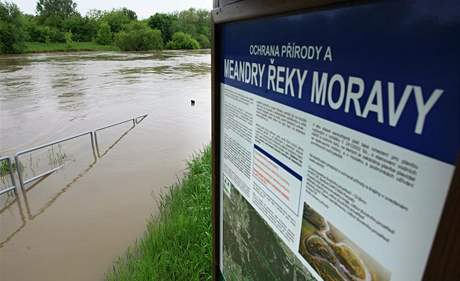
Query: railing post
point(93, 145)
point(96, 144)
point(18, 170)
point(13, 181)
point(92, 140)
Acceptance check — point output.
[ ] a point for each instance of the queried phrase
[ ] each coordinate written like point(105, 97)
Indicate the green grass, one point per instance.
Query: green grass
point(177, 243)
point(36, 47)
point(5, 168)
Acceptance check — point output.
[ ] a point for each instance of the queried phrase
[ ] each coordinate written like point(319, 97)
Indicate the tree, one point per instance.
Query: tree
point(128, 13)
point(164, 23)
point(193, 22)
point(12, 29)
point(95, 14)
point(104, 34)
point(53, 12)
point(137, 36)
point(118, 18)
point(204, 22)
point(64, 8)
point(182, 40)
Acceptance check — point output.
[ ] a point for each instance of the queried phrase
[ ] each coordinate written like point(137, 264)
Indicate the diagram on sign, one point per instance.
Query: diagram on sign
point(279, 180)
point(245, 235)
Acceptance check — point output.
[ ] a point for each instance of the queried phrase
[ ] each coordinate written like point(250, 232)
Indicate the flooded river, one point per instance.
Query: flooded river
point(73, 223)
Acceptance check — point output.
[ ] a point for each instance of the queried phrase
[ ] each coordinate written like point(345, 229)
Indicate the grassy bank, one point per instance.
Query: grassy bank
point(177, 243)
point(36, 47)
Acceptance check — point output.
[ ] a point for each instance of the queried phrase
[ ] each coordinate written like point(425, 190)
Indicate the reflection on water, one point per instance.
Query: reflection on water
point(9, 209)
point(56, 196)
point(97, 204)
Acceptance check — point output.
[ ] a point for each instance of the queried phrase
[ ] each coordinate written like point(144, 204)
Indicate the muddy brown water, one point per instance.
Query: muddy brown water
point(72, 224)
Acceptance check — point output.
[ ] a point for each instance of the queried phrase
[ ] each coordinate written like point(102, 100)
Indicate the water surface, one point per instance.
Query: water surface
point(73, 223)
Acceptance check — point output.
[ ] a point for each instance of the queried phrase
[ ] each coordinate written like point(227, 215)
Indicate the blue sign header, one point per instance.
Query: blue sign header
point(388, 69)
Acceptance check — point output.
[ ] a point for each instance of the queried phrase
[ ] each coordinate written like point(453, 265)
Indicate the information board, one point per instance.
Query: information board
point(339, 135)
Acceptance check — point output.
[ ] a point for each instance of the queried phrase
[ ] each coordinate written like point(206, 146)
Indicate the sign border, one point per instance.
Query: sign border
point(444, 258)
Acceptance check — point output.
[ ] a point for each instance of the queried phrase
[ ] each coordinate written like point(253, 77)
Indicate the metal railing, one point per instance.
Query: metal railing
point(140, 118)
point(94, 146)
point(110, 126)
point(135, 121)
point(10, 172)
point(23, 181)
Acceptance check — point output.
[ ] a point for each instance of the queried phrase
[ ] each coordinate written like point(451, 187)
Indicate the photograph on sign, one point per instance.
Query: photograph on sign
point(332, 254)
point(337, 143)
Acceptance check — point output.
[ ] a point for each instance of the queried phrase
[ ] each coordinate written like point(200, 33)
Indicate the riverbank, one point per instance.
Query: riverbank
point(176, 244)
point(37, 47)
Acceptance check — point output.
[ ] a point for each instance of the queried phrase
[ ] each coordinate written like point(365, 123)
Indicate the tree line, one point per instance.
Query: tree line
point(59, 21)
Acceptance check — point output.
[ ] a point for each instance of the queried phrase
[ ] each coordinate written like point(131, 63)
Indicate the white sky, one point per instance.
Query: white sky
point(143, 8)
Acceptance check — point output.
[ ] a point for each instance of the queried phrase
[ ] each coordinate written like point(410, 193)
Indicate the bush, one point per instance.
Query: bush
point(52, 34)
point(104, 34)
point(38, 33)
point(204, 41)
point(182, 40)
point(57, 35)
point(12, 29)
point(46, 34)
point(68, 39)
point(83, 29)
point(138, 37)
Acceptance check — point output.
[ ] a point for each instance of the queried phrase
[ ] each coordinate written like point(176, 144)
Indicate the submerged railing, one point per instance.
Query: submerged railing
point(140, 118)
point(17, 160)
point(107, 127)
point(23, 181)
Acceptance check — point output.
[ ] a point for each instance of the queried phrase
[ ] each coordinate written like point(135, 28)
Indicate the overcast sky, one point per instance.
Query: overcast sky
point(143, 8)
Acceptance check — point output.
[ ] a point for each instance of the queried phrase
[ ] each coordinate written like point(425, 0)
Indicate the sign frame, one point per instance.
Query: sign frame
point(444, 258)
